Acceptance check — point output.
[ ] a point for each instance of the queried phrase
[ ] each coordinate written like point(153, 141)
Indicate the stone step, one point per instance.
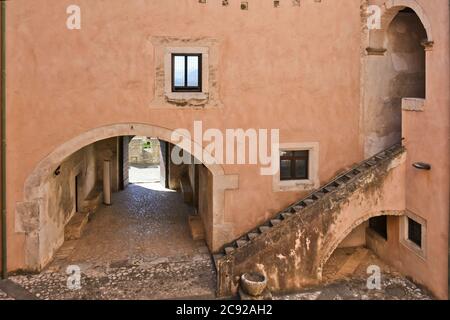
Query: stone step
point(290, 210)
point(229, 250)
point(318, 195)
point(93, 200)
point(298, 208)
point(349, 175)
point(308, 201)
point(264, 229)
point(286, 215)
point(274, 222)
point(75, 227)
point(252, 235)
point(241, 243)
point(364, 167)
point(196, 227)
point(330, 188)
point(371, 163)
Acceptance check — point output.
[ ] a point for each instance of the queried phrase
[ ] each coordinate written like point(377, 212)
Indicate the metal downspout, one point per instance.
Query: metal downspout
point(3, 75)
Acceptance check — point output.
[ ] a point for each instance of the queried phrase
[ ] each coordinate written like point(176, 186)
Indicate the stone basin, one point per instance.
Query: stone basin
point(253, 283)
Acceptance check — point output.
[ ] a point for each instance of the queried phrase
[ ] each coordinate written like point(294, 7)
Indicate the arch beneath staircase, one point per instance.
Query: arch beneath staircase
point(332, 240)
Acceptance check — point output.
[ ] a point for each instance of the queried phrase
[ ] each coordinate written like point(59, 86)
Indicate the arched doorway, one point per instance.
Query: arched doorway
point(39, 215)
point(395, 72)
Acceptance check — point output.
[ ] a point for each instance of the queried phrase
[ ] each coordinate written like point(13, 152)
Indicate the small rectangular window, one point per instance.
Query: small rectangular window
point(186, 72)
point(294, 165)
point(379, 225)
point(415, 232)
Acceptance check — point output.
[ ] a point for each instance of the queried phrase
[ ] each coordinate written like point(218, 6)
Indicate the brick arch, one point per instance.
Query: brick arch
point(389, 10)
point(34, 191)
point(333, 240)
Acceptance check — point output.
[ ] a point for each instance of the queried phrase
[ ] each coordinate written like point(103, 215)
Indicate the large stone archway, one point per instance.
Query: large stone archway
point(28, 214)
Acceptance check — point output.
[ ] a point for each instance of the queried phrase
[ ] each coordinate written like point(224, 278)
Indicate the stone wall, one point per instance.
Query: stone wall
point(144, 151)
point(57, 210)
point(108, 150)
point(205, 201)
point(176, 171)
point(389, 77)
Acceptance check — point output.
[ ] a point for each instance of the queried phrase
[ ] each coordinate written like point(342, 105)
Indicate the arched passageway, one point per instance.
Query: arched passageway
point(69, 181)
point(142, 245)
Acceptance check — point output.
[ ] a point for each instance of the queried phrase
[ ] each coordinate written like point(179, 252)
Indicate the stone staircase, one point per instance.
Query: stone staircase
point(241, 245)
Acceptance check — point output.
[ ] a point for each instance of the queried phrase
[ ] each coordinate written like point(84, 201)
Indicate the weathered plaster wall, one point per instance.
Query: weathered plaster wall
point(205, 201)
point(60, 207)
point(176, 171)
point(268, 74)
point(426, 136)
point(397, 74)
point(356, 238)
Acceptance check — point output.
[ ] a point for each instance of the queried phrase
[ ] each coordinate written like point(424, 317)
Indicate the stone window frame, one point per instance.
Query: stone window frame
point(419, 251)
point(309, 184)
point(164, 97)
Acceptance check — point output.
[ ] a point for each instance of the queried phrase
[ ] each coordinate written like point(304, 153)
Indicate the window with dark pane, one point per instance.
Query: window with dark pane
point(294, 165)
point(415, 232)
point(186, 72)
point(379, 225)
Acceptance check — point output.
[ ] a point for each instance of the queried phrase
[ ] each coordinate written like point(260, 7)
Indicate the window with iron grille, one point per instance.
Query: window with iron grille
point(415, 232)
point(186, 72)
point(294, 165)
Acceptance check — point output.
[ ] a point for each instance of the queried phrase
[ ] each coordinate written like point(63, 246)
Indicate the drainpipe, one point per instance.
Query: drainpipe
point(3, 75)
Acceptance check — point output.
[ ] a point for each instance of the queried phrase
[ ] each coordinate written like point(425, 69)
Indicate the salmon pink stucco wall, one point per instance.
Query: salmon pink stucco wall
point(426, 138)
point(285, 69)
point(293, 68)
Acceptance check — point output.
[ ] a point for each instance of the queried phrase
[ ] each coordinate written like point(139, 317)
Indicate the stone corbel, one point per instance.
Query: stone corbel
point(375, 51)
point(428, 45)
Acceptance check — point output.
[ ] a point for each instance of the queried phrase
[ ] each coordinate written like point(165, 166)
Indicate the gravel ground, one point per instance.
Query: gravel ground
point(138, 248)
point(393, 287)
point(4, 296)
point(157, 279)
